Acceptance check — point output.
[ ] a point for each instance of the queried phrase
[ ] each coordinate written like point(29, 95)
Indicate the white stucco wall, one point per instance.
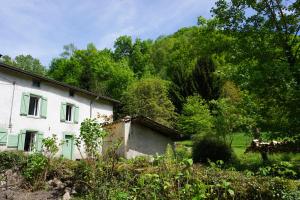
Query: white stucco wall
point(143, 141)
point(55, 95)
point(137, 140)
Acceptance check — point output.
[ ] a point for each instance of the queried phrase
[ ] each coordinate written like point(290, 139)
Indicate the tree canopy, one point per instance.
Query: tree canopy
point(149, 97)
point(27, 63)
point(240, 68)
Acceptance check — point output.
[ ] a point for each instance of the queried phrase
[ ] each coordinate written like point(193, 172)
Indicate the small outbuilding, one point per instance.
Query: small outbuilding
point(139, 136)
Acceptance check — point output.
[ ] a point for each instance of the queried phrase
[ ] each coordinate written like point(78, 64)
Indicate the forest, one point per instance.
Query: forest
point(222, 83)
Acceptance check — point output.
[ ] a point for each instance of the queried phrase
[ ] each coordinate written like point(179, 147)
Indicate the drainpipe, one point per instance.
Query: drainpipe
point(91, 102)
point(91, 105)
point(11, 107)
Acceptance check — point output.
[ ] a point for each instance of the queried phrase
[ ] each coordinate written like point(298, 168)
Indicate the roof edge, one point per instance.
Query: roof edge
point(147, 122)
point(49, 80)
point(165, 130)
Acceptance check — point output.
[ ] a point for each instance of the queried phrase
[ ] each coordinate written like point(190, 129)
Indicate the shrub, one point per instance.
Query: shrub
point(91, 135)
point(212, 149)
point(34, 171)
point(82, 176)
point(50, 147)
point(12, 159)
point(282, 169)
point(62, 169)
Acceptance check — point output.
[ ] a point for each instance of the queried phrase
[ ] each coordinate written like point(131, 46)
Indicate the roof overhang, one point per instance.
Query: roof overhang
point(160, 128)
point(151, 124)
point(49, 80)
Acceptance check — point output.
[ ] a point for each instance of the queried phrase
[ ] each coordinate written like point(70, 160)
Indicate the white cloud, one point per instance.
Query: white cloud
point(42, 27)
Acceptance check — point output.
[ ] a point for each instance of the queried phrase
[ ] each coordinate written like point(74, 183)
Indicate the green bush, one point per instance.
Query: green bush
point(62, 169)
point(282, 169)
point(12, 160)
point(34, 170)
point(211, 149)
point(164, 178)
point(83, 175)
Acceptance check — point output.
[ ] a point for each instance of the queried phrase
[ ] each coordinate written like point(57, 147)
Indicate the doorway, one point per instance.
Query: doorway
point(29, 141)
point(68, 146)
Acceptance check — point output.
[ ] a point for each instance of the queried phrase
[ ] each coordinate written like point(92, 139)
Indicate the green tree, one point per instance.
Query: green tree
point(7, 60)
point(139, 59)
point(149, 97)
point(94, 70)
point(228, 118)
point(233, 115)
point(195, 117)
point(27, 63)
point(190, 59)
point(123, 47)
point(266, 57)
point(277, 18)
point(65, 70)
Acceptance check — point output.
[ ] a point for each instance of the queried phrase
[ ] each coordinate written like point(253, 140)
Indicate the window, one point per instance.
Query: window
point(69, 112)
point(29, 141)
point(33, 105)
point(36, 83)
point(69, 109)
point(71, 93)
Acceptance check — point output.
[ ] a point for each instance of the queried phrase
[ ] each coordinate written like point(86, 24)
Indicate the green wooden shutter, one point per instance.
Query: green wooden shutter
point(25, 104)
point(43, 109)
point(63, 111)
point(39, 141)
point(21, 140)
point(76, 114)
point(3, 136)
point(12, 141)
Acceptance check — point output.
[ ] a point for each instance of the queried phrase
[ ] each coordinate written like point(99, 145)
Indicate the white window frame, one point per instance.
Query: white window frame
point(37, 107)
point(71, 112)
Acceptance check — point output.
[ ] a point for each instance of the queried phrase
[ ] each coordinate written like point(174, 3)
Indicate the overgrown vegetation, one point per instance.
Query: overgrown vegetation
point(168, 176)
point(164, 178)
point(236, 72)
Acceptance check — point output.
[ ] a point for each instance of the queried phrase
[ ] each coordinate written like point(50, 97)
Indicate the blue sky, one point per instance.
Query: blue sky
point(41, 27)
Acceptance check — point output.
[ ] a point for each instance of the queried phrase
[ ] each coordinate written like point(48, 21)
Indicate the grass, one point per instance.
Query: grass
point(252, 160)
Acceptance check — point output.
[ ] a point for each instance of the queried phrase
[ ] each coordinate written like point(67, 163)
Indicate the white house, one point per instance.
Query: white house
point(33, 107)
point(140, 136)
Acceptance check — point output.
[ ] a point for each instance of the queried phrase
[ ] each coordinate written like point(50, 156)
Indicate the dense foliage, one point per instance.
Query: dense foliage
point(241, 67)
point(196, 117)
point(266, 62)
point(149, 97)
point(164, 178)
point(211, 149)
point(27, 63)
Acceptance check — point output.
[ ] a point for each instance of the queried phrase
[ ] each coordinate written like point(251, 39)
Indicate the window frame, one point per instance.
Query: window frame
point(71, 112)
point(74, 112)
point(37, 108)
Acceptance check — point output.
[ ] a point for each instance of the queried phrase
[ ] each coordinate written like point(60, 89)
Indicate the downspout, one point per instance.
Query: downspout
point(11, 107)
point(91, 105)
